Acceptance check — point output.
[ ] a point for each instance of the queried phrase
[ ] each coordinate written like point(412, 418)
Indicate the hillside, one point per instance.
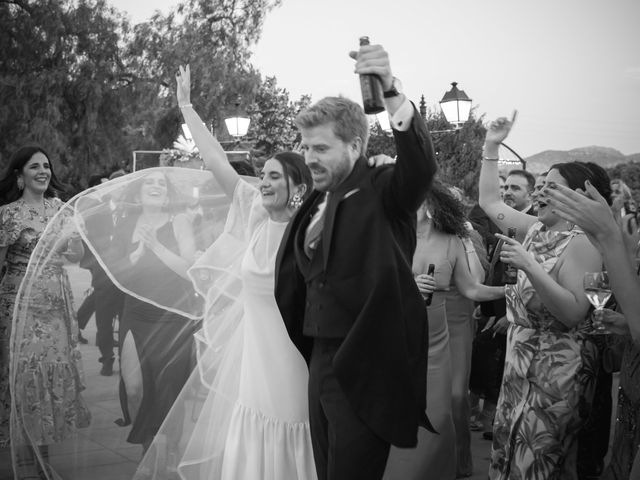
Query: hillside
point(605, 157)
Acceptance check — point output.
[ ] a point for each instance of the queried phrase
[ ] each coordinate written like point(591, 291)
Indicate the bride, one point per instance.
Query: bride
point(243, 414)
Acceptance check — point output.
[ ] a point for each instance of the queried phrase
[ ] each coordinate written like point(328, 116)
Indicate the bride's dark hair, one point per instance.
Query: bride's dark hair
point(295, 168)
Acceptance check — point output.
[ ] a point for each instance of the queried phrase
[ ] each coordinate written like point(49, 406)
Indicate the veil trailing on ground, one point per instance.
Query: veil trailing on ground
point(64, 412)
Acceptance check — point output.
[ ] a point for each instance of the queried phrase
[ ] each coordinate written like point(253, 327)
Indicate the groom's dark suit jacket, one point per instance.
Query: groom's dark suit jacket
point(359, 287)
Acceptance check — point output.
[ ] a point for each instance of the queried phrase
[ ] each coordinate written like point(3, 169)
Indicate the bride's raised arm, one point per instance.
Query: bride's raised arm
point(215, 158)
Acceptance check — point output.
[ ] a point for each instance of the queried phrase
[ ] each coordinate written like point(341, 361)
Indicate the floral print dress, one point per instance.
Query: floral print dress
point(549, 378)
point(47, 370)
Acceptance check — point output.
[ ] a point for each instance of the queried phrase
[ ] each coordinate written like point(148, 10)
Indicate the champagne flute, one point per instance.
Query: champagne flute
point(598, 291)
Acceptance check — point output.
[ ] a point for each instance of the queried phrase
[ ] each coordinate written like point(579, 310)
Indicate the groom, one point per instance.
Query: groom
point(344, 283)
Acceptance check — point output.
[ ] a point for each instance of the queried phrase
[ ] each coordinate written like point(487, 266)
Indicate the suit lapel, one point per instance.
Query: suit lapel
point(335, 198)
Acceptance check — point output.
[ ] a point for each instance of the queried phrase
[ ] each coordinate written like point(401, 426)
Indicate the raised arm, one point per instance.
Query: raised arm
point(210, 149)
point(489, 188)
point(415, 164)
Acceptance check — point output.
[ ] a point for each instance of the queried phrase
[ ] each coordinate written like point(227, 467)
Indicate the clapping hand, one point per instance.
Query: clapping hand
point(148, 236)
point(183, 86)
point(590, 211)
point(513, 253)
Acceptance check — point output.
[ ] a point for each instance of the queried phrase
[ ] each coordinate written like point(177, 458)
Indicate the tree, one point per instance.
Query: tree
point(59, 82)
point(272, 118)
point(458, 152)
point(76, 78)
point(214, 39)
point(629, 173)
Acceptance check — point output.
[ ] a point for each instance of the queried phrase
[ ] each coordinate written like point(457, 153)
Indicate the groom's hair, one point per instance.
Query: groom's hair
point(346, 116)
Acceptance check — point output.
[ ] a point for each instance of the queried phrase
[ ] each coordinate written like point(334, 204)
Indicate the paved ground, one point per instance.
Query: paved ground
point(100, 451)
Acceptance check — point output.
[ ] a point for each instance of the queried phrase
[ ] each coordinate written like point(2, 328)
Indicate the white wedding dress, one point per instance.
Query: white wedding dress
point(244, 412)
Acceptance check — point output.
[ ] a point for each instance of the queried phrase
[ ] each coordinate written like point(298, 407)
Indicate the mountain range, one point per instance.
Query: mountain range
point(603, 156)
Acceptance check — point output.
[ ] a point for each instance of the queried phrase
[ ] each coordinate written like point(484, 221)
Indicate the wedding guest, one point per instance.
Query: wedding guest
point(152, 238)
point(45, 363)
point(444, 240)
point(105, 300)
point(543, 400)
point(619, 252)
point(519, 190)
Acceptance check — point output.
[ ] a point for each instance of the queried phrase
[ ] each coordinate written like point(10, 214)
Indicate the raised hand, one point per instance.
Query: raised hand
point(183, 86)
point(588, 210)
point(373, 59)
point(499, 129)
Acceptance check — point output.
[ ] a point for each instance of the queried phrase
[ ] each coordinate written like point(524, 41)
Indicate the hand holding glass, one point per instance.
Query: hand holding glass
point(598, 291)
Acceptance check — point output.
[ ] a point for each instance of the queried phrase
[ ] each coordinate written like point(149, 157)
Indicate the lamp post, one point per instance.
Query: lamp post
point(456, 108)
point(237, 126)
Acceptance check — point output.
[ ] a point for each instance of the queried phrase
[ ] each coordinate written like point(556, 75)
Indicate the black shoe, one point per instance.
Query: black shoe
point(487, 435)
point(81, 339)
point(107, 368)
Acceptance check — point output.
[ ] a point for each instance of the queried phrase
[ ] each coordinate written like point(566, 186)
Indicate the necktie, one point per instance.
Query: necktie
point(314, 230)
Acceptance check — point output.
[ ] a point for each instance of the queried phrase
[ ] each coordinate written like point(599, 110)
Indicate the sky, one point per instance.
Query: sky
point(570, 67)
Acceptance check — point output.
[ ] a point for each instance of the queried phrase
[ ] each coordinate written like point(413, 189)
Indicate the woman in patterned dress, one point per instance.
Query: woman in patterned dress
point(619, 246)
point(45, 375)
point(551, 363)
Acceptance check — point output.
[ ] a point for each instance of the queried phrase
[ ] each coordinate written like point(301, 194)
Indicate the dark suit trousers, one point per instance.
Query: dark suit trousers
point(344, 448)
point(106, 302)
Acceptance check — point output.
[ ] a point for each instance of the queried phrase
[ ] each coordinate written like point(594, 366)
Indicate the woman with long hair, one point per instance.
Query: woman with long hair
point(40, 383)
point(551, 362)
point(443, 240)
point(152, 239)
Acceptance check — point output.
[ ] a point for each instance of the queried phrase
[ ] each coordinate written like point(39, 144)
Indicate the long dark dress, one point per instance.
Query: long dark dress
point(163, 339)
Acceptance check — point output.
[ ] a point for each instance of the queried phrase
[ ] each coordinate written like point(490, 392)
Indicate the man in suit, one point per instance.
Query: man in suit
point(344, 283)
point(518, 191)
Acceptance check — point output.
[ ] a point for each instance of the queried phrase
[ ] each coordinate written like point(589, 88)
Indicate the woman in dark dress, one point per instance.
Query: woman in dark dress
point(156, 339)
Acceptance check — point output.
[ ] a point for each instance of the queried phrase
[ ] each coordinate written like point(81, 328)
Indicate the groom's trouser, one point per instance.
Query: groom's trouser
point(344, 448)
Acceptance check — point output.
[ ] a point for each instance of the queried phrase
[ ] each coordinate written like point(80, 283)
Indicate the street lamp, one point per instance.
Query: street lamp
point(237, 126)
point(456, 106)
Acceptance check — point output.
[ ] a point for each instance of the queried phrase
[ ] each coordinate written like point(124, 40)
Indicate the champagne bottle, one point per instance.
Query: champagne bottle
point(371, 87)
point(510, 274)
point(430, 269)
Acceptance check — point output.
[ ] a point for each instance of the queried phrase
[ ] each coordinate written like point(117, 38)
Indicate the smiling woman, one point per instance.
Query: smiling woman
point(44, 363)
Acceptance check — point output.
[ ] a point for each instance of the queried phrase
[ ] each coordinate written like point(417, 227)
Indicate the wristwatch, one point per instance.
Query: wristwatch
point(395, 90)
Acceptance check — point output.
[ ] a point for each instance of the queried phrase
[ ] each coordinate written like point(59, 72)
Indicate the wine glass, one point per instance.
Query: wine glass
point(598, 291)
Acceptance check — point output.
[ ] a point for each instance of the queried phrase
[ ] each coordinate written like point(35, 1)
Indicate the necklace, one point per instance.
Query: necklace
point(40, 209)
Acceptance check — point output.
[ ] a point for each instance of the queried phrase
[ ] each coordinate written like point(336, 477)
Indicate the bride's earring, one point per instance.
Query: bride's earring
point(295, 201)
point(20, 183)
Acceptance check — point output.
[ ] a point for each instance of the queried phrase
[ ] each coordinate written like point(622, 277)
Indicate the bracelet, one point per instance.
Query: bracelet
point(490, 159)
point(473, 250)
point(185, 105)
